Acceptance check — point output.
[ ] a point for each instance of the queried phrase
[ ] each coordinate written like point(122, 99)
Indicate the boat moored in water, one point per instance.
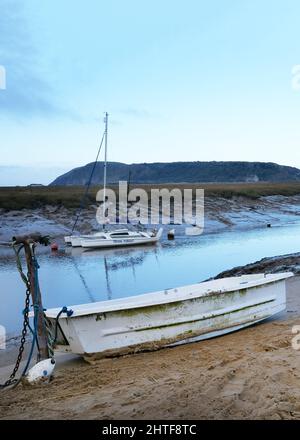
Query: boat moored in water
point(114, 238)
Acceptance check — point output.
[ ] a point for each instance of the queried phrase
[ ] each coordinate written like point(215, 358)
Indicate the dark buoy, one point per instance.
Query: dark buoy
point(269, 225)
point(54, 247)
point(171, 234)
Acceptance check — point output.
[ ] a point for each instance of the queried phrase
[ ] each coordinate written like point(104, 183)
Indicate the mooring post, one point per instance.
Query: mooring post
point(29, 243)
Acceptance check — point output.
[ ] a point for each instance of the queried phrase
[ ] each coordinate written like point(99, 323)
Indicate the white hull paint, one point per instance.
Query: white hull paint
point(174, 316)
point(193, 230)
point(113, 239)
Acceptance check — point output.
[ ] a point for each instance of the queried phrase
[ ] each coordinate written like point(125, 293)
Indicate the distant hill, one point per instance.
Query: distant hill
point(181, 172)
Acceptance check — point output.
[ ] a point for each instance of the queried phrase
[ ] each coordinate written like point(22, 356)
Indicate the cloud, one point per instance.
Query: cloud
point(27, 91)
point(137, 113)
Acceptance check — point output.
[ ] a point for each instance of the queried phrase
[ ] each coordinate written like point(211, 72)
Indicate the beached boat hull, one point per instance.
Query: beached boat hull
point(173, 316)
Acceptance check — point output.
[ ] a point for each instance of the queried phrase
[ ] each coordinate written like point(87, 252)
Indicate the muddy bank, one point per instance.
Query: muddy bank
point(220, 214)
point(282, 263)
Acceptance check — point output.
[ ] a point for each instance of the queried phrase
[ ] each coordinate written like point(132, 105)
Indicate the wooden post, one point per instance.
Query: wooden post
point(29, 243)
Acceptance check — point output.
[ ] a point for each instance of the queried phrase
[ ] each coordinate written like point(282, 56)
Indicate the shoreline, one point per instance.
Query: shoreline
point(212, 379)
point(221, 214)
point(249, 374)
point(280, 263)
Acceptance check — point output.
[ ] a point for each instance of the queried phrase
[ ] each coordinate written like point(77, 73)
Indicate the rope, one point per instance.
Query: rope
point(12, 381)
point(35, 320)
point(63, 310)
point(19, 265)
point(27, 283)
point(51, 340)
point(88, 185)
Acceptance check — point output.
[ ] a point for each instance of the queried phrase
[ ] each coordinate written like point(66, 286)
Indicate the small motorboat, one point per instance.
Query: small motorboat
point(172, 316)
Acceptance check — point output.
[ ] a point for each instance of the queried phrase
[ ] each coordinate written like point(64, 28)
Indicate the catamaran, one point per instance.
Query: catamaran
point(116, 237)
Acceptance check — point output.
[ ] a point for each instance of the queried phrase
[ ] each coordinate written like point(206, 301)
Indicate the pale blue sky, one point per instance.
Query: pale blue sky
point(192, 80)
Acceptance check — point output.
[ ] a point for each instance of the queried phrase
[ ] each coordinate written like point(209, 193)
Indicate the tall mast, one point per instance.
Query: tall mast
point(105, 162)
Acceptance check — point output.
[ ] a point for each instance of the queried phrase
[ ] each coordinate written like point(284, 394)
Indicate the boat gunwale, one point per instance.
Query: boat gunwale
point(147, 299)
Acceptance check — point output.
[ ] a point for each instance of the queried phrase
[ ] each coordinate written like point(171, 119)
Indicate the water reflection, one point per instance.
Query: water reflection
point(83, 280)
point(76, 277)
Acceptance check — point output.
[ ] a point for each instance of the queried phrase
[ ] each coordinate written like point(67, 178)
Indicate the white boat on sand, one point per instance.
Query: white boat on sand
point(154, 320)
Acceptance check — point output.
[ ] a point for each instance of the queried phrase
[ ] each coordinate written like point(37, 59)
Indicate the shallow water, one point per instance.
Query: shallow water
point(76, 277)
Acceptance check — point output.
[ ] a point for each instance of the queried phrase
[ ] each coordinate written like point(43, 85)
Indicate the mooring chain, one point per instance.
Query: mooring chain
point(12, 380)
point(19, 243)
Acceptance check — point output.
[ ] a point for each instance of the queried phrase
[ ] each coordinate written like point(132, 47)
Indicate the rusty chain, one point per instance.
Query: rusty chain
point(12, 378)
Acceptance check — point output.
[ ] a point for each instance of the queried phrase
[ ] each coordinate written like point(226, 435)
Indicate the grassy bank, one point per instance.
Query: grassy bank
point(15, 198)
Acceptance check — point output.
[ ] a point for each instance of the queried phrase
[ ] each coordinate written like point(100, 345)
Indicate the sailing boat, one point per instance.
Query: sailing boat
point(116, 237)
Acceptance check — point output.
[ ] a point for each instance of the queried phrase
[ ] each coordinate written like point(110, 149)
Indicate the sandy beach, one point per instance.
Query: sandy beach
point(250, 374)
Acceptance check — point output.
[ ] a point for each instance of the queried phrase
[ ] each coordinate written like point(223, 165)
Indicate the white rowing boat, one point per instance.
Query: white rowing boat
point(172, 316)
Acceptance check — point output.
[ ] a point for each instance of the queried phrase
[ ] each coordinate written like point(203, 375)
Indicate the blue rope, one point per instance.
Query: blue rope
point(35, 319)
point(36, 309)
point(69, 313)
